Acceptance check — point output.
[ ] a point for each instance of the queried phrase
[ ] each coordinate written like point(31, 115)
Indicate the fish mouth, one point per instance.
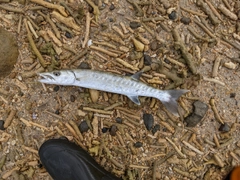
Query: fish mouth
point(46, 78)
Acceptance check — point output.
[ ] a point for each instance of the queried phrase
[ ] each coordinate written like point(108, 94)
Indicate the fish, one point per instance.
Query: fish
point(129, 86)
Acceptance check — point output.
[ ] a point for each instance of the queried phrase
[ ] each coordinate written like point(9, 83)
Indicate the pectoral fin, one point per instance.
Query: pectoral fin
point(134, 99)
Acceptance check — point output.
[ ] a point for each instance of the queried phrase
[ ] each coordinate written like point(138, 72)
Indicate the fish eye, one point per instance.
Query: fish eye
point(56, 73)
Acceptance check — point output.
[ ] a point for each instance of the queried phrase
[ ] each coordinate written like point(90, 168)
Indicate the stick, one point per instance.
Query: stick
point(34, 48)
point(88, 21)
point(61, 9)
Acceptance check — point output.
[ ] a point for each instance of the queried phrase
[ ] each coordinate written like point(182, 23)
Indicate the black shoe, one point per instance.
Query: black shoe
point(66, 161)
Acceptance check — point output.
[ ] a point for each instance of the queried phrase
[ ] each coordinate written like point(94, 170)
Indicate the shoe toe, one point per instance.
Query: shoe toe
point(66, 161)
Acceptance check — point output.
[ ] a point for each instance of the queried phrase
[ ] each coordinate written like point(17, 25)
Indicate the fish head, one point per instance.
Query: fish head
point(63, 77)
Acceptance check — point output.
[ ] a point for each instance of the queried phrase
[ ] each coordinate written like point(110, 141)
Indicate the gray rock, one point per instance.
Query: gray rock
point(199, 112)
point(8, 51)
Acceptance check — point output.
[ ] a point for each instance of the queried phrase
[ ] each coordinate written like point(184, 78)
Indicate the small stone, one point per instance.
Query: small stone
point(83, 126)
point(2, 125)
point(224, 127)
point(56, 88)
point(72, 98)
point(185, 20)
point(199, 112)
point(68, 35)
point(57, 111)
point(148, 121)
point(94, 94)
point(173, 15)
point(155, 128)
point(147, 60)
point(166, 61)
point(112, 7)
point(200, 108)
point(137, 144)
point(113, 130)
point(119, 120)
point(9, 52)
point(84, 65)
point(134, 25)
point(154, 45)
point(105, 129)
point(232, 95)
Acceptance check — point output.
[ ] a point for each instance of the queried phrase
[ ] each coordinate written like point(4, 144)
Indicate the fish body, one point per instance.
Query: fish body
point(109, 82)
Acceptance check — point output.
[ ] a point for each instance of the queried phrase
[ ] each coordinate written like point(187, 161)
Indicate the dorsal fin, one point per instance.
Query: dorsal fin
point(137, 75)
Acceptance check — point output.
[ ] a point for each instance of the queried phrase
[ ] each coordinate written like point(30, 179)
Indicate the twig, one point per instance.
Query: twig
point(205, 29)
point(12, 9)
point(32, 29)
point(208, 11)
point(216, 66)
point(217, 116)
point(214, 81)
point(75, 127)
point(227, 12)
point(10, 118)
point(97, 110)
point(192, 148)
point(68, 21)
point(34, 48)
point(193, 12)
point(51, 24)
point(96, 11)
point(30, 123)
point(61, 9)
point(183, 173)
point(185, 54)
point(80, 55)
point(103, 51)
point(214, 10)
point(176, 148)
point(127, 65)
point(88, 21)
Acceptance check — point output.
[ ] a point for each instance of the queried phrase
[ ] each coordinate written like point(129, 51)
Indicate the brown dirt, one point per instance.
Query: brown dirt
point(32, 101)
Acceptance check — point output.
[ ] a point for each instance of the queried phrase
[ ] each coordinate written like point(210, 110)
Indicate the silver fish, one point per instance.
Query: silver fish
point(105, 81)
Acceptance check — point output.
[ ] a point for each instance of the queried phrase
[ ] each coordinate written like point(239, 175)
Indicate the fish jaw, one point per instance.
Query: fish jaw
point(58, 77)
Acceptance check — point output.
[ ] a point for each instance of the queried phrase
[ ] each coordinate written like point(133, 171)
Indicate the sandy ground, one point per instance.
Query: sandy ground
point(37, 112)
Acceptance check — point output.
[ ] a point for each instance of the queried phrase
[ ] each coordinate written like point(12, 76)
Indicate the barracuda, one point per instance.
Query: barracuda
point(105, 81)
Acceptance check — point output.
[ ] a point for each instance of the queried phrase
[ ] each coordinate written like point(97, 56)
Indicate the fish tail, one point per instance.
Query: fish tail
point(171, 101)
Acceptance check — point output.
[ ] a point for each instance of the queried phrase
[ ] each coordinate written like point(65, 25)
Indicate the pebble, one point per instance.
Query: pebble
point(134, 25)
point(112, 7)
point(224, 127)
point(119, 120)
point(68, 35)
point(105, 129)
point(113, 130)
point(84, 65)
point(155, 128)
point(198, 113)
point(83, 126)
point(147, 60)
point(148, 121)
point(9, 52)
point(173, 15)
point(56, 88)
point(154, 45)
point(2, 125)
point(94, 94)
point(57, 111)
point(138, 144)
point(72, 98)
point(232, 95)
point(185, 20)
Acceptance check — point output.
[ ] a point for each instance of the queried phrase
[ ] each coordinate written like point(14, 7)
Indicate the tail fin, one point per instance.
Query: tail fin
point(171, 101)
